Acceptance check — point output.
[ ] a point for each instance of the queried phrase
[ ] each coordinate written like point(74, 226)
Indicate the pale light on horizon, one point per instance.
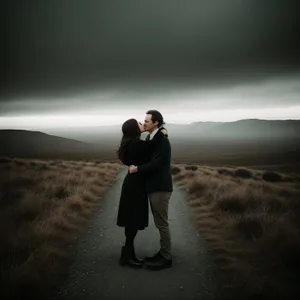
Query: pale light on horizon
point(183, 117)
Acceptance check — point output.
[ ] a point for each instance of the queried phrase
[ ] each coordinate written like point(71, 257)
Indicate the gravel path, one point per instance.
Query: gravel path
point(96, 274)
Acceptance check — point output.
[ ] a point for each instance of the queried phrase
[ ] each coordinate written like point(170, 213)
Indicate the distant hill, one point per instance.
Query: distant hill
point(243, 130)
point(24, 143)
point(252, 129)
point(244, 142)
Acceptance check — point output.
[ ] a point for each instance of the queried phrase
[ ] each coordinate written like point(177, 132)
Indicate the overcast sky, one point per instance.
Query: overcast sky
point(100, 62)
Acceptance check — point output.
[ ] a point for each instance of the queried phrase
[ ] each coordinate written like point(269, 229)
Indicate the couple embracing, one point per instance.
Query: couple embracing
point(148, 179)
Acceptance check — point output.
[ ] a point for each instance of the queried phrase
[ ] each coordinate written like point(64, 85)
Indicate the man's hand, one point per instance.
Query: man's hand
point(132, 169)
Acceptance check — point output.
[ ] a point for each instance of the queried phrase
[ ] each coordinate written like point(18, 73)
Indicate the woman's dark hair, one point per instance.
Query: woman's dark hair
point(156, 116)
point(131, 131)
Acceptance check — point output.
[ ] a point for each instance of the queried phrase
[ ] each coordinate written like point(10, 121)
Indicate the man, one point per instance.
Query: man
point(159, 187)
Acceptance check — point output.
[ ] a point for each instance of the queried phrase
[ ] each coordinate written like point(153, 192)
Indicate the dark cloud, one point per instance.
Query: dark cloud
point(281, 92)
point(51, 46)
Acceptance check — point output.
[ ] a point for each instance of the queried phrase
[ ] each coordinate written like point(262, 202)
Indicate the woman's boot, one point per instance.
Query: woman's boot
point(127, 258)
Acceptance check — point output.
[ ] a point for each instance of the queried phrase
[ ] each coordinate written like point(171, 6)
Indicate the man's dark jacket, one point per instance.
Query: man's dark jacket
point(158, 170)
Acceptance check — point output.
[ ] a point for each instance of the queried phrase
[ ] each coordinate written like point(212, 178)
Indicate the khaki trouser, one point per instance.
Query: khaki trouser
point(159, 202)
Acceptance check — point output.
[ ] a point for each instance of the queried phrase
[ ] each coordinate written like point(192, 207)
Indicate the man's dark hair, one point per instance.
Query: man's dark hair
point(156, 116)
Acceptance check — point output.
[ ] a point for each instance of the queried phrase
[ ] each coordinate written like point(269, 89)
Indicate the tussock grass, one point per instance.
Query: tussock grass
point(272, 176)
point(44, 206)
point(251, 220)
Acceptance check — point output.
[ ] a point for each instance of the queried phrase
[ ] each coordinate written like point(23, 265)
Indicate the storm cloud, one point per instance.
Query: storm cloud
point(115, 55)
point(273, 93)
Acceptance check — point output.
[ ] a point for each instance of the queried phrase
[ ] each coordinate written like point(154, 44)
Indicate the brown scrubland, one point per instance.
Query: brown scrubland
point(44, 207)
point(251, 221)
point(249, 218)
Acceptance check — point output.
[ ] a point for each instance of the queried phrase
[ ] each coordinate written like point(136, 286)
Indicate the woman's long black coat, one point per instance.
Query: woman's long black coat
point(133, 207)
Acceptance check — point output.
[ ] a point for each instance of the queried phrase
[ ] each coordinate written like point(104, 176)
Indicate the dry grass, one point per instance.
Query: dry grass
point(44, 206)
point(251, 220)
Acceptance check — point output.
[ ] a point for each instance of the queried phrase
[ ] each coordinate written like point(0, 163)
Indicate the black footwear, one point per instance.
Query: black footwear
point(127, 258)
point(159, 263)
point(152, 258)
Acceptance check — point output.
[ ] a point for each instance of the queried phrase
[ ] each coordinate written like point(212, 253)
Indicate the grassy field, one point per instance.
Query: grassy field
point(44, 206)
point(251, 220)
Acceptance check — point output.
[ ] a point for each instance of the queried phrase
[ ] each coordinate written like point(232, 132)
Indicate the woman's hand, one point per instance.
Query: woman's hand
point(164, 131)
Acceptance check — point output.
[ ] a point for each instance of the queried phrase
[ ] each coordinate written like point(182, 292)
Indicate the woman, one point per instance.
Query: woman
point(133, 206)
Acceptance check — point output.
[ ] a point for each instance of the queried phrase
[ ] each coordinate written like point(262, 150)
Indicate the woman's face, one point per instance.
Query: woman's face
point(141, 127)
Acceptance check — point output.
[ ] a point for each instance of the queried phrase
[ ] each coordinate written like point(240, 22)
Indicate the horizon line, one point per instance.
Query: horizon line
point(166, 123)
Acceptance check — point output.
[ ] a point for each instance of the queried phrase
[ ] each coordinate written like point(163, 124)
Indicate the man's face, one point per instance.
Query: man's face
point(149, 125)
